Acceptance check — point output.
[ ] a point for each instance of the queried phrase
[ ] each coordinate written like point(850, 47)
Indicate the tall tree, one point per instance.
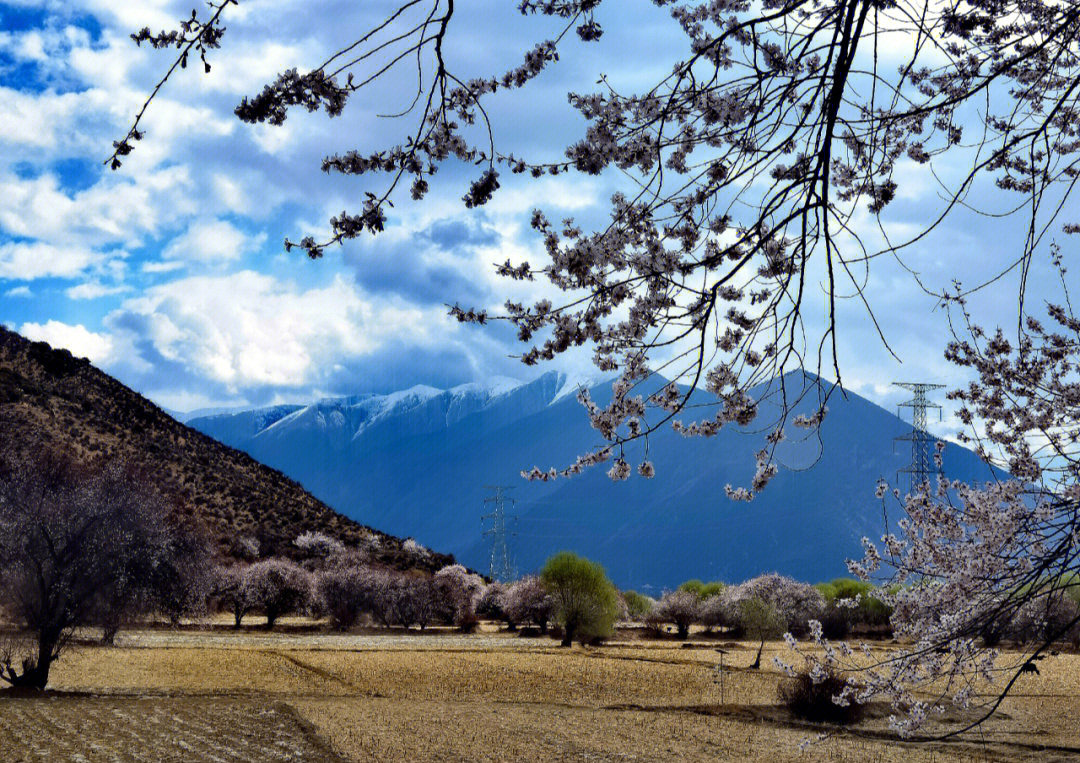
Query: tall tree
point(75, 539)
point(584, 602)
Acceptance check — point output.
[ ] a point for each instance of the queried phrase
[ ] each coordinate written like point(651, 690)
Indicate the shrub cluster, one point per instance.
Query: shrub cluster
point(1050, 614)
point(680, 608)
point(813, 697)
point(851, 604)
point(766, 606)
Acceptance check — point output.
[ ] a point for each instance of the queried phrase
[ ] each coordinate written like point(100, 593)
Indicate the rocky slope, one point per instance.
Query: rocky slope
point(48, 398)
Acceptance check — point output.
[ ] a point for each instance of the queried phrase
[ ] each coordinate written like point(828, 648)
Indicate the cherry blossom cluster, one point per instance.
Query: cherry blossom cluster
point(966, 566)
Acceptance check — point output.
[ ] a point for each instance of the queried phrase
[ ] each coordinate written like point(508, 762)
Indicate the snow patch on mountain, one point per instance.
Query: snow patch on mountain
point(570, 384)
point(493, 387)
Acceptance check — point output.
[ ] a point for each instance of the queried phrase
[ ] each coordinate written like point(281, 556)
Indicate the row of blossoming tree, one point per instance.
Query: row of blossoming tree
point(93, 545)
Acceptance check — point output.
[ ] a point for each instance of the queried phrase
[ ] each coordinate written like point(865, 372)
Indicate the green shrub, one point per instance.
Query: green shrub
point(703, 590)
point(586, 603)
point(759, 620)
point(870, 611)
point(637, 605)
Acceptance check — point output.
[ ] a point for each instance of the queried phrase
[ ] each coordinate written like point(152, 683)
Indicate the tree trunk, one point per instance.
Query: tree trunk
point(568, 635)
point(238, 614)
point(757, 660)
point(108, 634)
point(36, 675)
point(683, 631)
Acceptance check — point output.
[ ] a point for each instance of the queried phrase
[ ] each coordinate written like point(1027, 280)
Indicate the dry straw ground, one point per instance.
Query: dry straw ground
point(222, 696)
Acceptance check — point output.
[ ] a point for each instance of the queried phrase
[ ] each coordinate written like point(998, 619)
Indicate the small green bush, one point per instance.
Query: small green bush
point(703, 590)
point(637, 605)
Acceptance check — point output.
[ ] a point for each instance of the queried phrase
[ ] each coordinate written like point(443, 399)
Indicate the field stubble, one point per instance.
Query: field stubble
point(194, 696)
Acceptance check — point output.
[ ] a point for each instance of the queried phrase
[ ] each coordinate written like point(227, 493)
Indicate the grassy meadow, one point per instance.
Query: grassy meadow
point(299, 694)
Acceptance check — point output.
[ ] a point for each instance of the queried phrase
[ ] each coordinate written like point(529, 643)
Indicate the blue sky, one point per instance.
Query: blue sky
point(170, 274)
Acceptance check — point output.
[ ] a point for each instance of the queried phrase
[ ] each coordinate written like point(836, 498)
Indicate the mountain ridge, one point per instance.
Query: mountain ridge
point(420, 468)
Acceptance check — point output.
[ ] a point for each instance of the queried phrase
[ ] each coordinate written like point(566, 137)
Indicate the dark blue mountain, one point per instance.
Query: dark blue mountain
point(416, 463)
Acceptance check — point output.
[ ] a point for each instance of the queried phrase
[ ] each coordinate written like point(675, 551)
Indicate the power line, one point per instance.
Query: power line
point(502, 568)
point(922, 461)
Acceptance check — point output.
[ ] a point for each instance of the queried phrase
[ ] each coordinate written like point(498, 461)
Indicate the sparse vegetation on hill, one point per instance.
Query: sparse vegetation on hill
point(52, 400)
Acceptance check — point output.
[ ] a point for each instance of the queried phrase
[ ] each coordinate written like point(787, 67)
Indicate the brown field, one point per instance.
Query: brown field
point(310, 696)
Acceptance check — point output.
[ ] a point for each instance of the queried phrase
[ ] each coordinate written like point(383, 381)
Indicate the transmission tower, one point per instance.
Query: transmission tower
point(922, 459)
point(502, 568)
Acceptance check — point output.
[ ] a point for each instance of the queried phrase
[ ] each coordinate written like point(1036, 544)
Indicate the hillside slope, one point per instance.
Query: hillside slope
point(417, 462)
point(48, 398)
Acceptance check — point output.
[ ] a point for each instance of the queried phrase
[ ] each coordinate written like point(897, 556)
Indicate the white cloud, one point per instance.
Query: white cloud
point(46, 120)
point(115, 210)
point(162, 267)
point(94, 290)
point(214, 242)
point(554, 193)
point(19, 291)
point(21, 261)
point(77, 339)
point(249, 330)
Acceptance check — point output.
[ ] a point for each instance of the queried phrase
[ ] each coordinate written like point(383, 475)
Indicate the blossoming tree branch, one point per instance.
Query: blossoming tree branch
point(744, 172)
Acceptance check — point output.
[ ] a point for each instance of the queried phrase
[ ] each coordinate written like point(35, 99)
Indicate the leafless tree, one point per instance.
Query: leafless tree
point(76, 541)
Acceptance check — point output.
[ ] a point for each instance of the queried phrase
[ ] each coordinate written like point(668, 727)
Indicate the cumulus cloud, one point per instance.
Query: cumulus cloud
point(214, 242)
point(26, 261)
point(434, 263)
point(77, 339)
point(248, 331)
point(94, 290)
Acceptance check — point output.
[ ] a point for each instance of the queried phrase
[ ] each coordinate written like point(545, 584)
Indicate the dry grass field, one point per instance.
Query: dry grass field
point(220, 696)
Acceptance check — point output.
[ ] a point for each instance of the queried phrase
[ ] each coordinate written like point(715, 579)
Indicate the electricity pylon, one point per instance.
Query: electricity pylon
point(922, 459)
point(502, 569)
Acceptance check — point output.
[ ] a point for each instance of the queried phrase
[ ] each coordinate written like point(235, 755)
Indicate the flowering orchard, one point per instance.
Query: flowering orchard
point(746, 169)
